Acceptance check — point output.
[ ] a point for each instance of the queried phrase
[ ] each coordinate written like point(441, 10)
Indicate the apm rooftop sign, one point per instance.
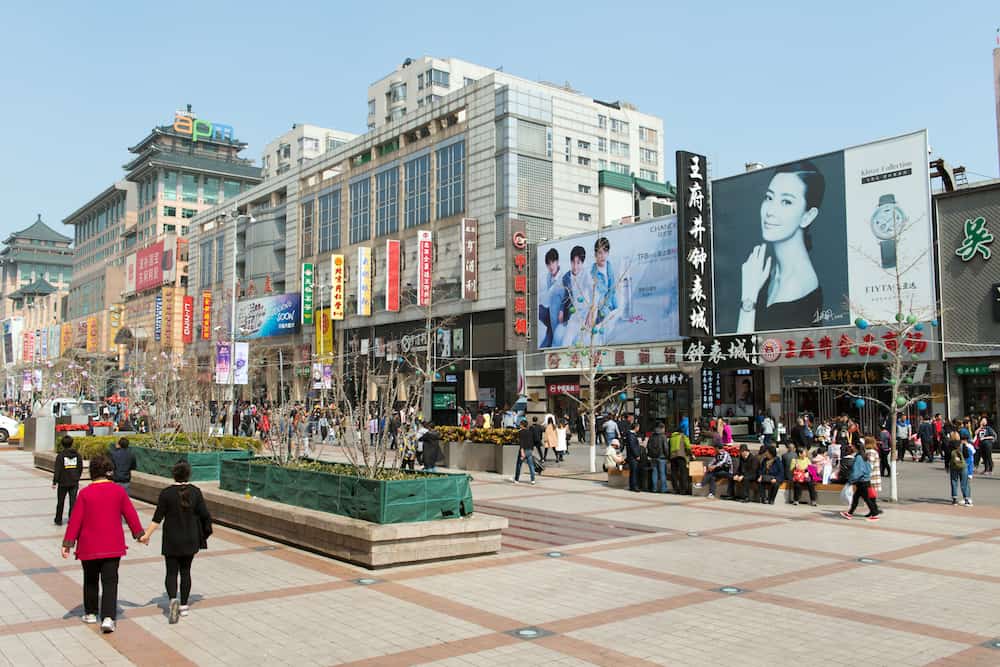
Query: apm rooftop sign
point(197, 128)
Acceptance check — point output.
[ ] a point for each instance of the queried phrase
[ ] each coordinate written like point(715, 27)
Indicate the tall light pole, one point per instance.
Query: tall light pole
point(237, 218)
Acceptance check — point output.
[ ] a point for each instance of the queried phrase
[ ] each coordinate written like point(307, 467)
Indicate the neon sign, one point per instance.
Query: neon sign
point(202, 129)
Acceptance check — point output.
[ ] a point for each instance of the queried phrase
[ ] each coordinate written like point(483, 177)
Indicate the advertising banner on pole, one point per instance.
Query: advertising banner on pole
point(818, 242)
point(206, 315)
point(28, 347)
point(364, 281)
point(222, 360)
point(327, 376)
point(26, 382)
point(517, 285)
point(425, 267)
point(66, 338)
point(337, 289)
point(91, 334)
point(241, 359)
point(307, 293)
point(470, 259)
point(392, 276)
point(168, 315)
point(324, 334)
point(157, 318)
point(187, 320)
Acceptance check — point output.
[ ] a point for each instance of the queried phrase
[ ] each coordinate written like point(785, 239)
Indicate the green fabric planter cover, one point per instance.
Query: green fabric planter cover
point(425, 498)
point(204, 465)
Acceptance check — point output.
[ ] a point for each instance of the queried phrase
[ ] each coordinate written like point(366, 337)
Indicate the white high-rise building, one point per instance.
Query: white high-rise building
point(300, 144)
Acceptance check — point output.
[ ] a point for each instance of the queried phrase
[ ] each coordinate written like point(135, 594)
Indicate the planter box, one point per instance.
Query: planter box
point(506, 459)
point(77, 434)
point(425, 498)
point(474, 456)
point(102, 430)
point(204, 465)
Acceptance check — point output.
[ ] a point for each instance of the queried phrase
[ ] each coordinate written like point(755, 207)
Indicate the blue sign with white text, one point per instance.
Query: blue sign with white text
point(275, 315)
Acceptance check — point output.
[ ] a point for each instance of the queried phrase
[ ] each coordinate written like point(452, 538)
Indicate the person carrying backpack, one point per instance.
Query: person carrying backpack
point(679, 450)
point(657, 451)
point(958, 470)
point(66, 476)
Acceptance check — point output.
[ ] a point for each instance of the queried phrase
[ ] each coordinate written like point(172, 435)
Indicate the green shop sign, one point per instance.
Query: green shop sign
point(972, 369)
point(307, 294)
point(977, 240)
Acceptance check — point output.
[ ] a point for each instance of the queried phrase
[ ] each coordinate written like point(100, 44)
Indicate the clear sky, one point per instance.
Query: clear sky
point(738, 81)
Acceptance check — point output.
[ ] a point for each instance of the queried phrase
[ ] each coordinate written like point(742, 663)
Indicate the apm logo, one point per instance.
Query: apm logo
point(202, 129)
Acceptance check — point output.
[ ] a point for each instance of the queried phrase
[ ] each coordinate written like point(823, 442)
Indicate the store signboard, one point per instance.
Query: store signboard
point(92, 334)
point(723, 351)
point(130, 268)
point(650, 380)
point(844, 223)
point(337, 290)
point(560, 388)
point(840, 375)
point(157, 318)
point(28, 347)
point(392, 253)
point(694, 241)
point(470, 259)
point(206, 315)
point(324, 334)
point(517, 285)
point(187, 319)
point(66, 338)
point(307, 293)
point(972, 369)
point(168, 315)
point(614, 287)
point(425, 267)
point(266, 316)
point(149, 267)
point(365, 281)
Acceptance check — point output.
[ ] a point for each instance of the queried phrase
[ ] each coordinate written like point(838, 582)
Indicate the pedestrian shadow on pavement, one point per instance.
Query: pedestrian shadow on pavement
point(161, 601)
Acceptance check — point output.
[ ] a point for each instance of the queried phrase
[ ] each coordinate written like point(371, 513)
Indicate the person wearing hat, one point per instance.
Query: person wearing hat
point(613, 458)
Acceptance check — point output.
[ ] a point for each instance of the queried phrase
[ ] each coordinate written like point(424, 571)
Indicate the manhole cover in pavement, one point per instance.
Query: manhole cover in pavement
point(529, 633)
point(366, 581)
point(693, 533)
point(731, 590)
point(869, 561)
point(555, 554)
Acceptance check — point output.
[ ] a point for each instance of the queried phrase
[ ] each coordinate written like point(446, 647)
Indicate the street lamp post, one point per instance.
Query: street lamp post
point(237, 218)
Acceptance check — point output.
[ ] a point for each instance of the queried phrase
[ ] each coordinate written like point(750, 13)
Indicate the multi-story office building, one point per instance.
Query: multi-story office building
point(37, 264)
point(498, 148)
point(131, 262)
point(299, 145)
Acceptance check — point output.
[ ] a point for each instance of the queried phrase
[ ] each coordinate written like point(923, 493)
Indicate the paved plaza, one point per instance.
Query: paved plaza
point(587, 575)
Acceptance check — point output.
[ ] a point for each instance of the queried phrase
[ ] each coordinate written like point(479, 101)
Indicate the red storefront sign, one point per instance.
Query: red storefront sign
point(517, 308)
point(28, 347)
point(187, 319)
point(206, 316)
point(392, 276)
point(149, 267)
point(470, 259)
point(563, 388)
point(425, 265)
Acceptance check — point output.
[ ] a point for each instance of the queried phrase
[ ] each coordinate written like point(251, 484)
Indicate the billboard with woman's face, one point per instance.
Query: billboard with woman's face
point(613, 287)
point(818, 242)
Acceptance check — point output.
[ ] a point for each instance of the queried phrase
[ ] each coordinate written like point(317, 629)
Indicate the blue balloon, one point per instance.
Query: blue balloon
point(622, 396)
point(860, 402)
point(934, 322)
point(919, 326)
point(861, 323)
point(579, 299)
point(921, 405)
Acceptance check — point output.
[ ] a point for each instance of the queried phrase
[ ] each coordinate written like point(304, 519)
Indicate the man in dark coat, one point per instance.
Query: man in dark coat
point(431, 453)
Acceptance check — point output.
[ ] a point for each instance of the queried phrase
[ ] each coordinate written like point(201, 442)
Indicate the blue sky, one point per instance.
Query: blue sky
point(765, 81)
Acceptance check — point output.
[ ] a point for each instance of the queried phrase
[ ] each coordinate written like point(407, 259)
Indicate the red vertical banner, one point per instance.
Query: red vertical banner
point(425, 267)
point(392, 276)
point(517, 287)
point(206, 316)
point(470, 259)
point(187, 320)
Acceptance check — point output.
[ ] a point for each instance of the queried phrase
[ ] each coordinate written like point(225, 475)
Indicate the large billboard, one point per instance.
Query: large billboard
point(818, 242)
point(617, 286)
point(274, 315)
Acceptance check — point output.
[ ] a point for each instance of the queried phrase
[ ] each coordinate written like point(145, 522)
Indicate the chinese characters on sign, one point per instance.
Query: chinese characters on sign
point(307, 293)
point(711, 388)
point(977, 239)
point(206, 315)
point(91, 334)
point(425, 262)
point(365, 281)
point(392, 276)
point(654, 379)
point(517, 294)
point(337, 291)
point(852, 374)
point(168, 315)
point(732, 351)
point(694, 234)
point(563, 388)
point(222, 360)
point(470, 259)
point(149, 267)
point(158, 318)
point(187, 319)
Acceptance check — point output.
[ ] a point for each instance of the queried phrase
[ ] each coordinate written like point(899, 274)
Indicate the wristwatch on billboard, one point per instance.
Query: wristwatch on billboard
point(887, 222)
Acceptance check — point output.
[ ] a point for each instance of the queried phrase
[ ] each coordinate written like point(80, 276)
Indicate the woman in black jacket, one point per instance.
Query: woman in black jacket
point(187, 526)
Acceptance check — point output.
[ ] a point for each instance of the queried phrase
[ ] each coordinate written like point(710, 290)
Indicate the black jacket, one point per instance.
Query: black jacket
point(431, 454)
point(747, 467)
point(632, 449)
point(185, 529)
point(657, 445)
point(68, 467)
point(526, 438)
point(536, 435)
point(124, 460)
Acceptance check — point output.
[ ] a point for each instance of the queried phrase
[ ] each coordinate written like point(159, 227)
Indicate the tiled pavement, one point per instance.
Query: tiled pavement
point(588, 575)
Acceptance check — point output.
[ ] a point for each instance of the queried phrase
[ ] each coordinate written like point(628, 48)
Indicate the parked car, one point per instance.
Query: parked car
point(62, 407)
point(8, 427)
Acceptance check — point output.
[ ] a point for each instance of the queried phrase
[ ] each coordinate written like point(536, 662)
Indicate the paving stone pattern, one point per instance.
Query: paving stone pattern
point(587, 576)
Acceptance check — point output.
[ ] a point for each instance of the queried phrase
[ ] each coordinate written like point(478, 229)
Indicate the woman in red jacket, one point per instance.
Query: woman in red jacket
point(95, 528)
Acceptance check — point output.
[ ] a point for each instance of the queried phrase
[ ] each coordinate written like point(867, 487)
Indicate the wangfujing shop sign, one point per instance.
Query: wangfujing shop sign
point(197, 128)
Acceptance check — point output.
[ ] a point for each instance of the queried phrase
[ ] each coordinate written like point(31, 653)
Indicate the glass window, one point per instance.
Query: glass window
point(371, 107)
point(619, 126)
point(333, 144)
point(361, 223)
point(602, 144)
point(647, 134)
point(450, 180)
point(169, 211)
point(189, 187)
point(602, 121)
point(420, 82)
point(230, 189)
point(205, 275)
point(583, 217)
point(387, 202)
point(170, 185)
point(329, 221)
point(438, 77)
point(220, 253)
point(583, 145)
point(620, 168)
point(169, 228)
point(210, 190)
point(188, 213)
point(584, 189)
point(583, 161)
point(307, 228)
point(619, 148)
point(417, 175)
point(648, 155)
point(398, 92)
point(648, 174)
point(467, 81)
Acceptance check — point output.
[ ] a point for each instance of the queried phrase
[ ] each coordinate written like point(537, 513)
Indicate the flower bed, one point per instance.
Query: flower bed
point(339, 489)
point(89, 446)
point(493, 436)
point(708, 451)
point(204, 465)
point(66, 428)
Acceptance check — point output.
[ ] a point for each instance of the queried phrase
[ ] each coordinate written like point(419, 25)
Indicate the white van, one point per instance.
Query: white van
point(62, 407)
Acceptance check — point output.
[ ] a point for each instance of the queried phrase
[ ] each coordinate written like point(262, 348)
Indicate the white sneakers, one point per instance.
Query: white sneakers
point(108, 625)
point(184, 609)
point(90, 618)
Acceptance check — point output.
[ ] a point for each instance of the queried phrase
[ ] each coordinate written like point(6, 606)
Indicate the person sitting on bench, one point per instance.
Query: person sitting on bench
point(801, 477)
point(745, 474)
point(721, 467)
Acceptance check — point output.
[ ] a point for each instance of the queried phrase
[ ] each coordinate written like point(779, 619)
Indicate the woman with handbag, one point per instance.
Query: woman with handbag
point(871, 453)
point(550, 438)
point(860, 477)
point(772, 474)
point(187, 525)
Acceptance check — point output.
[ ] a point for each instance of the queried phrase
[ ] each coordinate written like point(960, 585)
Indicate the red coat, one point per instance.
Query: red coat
point(95, 524)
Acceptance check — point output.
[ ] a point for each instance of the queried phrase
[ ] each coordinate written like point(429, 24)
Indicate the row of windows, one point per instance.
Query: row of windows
point(109, 215)
point(648, 155)
point(450, 173)
point(189, 188)
point(29, 273)
point(212, 250)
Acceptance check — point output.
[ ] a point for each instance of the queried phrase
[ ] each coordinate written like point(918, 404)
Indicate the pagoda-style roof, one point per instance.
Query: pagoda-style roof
point(40, 287)
point(38, 231)
point(62, 256)
point(154, 157)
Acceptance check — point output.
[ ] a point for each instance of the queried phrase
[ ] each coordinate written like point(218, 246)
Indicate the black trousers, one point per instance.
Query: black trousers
point(680, 480)
point(985, 453)
point(102, 571)
point(769, 491)
point(903, 447)
point(61, 494)
point(633, 474)
point(179, 566)
point(808, 485)
point(861, 492)
point(883, 463)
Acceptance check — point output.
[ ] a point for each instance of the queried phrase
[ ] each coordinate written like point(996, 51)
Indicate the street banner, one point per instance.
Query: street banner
point(324, 334)
point(157, 318)
point(92, 334)
point(206, 315)
point(470, 259)
point(28, 347)
point(337, 290)
point(187, 320)
point(425, 267)
point(26, 381)
point(364, 281)
point(392, 276)
point(66, 338)
point(327, 376)
point(307, 293)
point(317, 375)
point(130, 273)
point(37, 376)
point(222, 360)
point(241, 372)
